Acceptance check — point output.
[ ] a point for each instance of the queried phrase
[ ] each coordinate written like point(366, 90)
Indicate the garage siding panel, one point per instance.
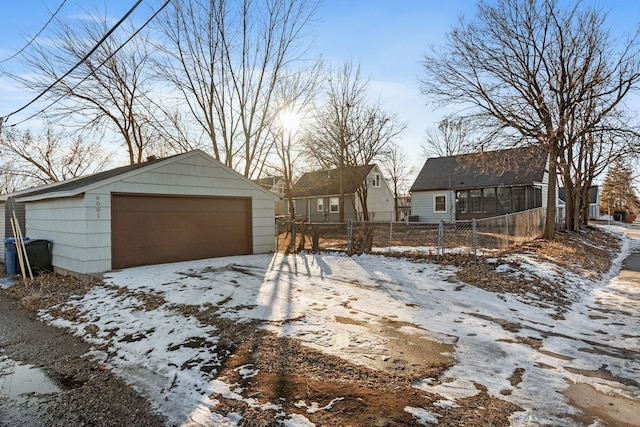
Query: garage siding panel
point(159, 229)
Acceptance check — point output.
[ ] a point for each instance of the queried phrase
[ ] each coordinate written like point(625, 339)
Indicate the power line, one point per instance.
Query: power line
point(166, 3)
point(36, 36)
point(97, 45)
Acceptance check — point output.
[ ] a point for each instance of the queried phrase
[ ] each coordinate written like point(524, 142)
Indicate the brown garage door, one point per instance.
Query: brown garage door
point(157, 229)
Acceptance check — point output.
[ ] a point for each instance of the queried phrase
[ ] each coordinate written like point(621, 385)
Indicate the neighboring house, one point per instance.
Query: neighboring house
point(480, 185)
point(276, 185)
point(316, 195)
point(594, 202)
point(189, 206)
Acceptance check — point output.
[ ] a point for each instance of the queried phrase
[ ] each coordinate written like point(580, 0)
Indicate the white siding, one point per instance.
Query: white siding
point(423, 205)
point(80, 227)
point(62, 222)
point(379, 199)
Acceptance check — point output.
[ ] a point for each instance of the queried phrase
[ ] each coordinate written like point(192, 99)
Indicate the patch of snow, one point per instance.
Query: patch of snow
point(246, 372)
point(445, 404)
point(297, 420)
point(422, 416)
point(315, 407)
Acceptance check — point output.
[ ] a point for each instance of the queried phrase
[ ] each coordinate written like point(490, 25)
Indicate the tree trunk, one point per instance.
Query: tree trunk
point(550, 220)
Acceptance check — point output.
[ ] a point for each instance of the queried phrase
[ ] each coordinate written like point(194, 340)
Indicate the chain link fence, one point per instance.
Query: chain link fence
point(474, 236)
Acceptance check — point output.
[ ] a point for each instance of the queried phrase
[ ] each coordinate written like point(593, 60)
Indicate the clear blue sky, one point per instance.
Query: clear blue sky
point(387, 37)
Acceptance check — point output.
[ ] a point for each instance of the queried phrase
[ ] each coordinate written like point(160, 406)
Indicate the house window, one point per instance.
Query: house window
point(288, 207)
point(519, 199)
point(334, 205)
point(462, 201)
point(475, 201)
point(504, 200)
point(376, 180)
point(440, 203)
point(320, 205)
point(537, 197)
point(489, 201)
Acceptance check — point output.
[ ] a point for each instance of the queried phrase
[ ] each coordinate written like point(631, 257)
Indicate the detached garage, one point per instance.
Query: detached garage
point(184, 207)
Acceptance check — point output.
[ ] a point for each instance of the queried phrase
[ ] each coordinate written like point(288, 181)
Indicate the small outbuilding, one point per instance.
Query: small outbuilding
point(185, 207)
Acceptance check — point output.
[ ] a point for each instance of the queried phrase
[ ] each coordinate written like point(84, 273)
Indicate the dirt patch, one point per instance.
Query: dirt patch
point(331, 391)
point(613, 410)
point(408, 350)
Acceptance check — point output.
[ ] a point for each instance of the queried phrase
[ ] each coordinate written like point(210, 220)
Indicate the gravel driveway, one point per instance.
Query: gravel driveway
point(80, 391)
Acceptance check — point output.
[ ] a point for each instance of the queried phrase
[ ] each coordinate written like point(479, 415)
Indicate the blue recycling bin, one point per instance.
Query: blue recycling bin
point(11, 254)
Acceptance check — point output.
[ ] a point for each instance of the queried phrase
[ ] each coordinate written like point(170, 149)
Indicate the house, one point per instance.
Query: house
point(480, 185)
point(276, 185)
point(188, 206)
point(594, 202)
point(316, 195)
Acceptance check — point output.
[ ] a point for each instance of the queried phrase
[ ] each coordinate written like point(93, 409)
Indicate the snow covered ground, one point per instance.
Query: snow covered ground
point(154, 349)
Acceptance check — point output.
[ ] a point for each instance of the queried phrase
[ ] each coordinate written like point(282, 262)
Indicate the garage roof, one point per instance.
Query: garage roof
point(75, 186)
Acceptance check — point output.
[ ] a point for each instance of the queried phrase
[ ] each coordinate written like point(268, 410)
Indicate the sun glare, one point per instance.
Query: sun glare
point(289, 121)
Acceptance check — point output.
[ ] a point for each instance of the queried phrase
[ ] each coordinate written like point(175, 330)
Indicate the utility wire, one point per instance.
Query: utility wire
point(117, 24)
point(166, 3)
point(36, 36)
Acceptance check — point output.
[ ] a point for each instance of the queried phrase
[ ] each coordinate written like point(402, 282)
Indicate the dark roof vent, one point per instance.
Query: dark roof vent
point(152, 158)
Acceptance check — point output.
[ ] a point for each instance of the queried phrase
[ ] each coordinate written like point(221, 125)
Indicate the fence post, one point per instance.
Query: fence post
point(506, 229)
point(474, 239)
point(390, 234)
point(349, 235)
point(293, 236)
point(440, 238)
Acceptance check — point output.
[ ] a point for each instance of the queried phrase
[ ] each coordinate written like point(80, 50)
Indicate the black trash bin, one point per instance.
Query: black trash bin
point(39, 254)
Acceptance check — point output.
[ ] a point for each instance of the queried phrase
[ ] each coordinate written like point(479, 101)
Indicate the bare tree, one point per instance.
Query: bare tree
point(449, 138)
point(395, 165)
point(349, 130)
point(10, 180)
point(296, 92)
point(531, 66)
point(111, 89)
point(52, 156)
point(225, 59)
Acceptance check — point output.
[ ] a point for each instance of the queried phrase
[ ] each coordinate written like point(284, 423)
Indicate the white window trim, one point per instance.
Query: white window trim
point(337, 210)
point(320, 205)
point(446, 208)
point(288, 208)
point(376, 180)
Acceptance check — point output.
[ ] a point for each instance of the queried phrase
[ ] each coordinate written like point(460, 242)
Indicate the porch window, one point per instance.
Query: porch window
point(519, 199)
point(462, 201)
point(320, 205)
point(489, 201)
point(440, 203)
point(475, 201)
point(334, 204)
point(504, 200)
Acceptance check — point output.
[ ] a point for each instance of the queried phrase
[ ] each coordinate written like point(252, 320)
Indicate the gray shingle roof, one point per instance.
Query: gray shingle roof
point(516, 166)
point(78, 183)
point(327, 182)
